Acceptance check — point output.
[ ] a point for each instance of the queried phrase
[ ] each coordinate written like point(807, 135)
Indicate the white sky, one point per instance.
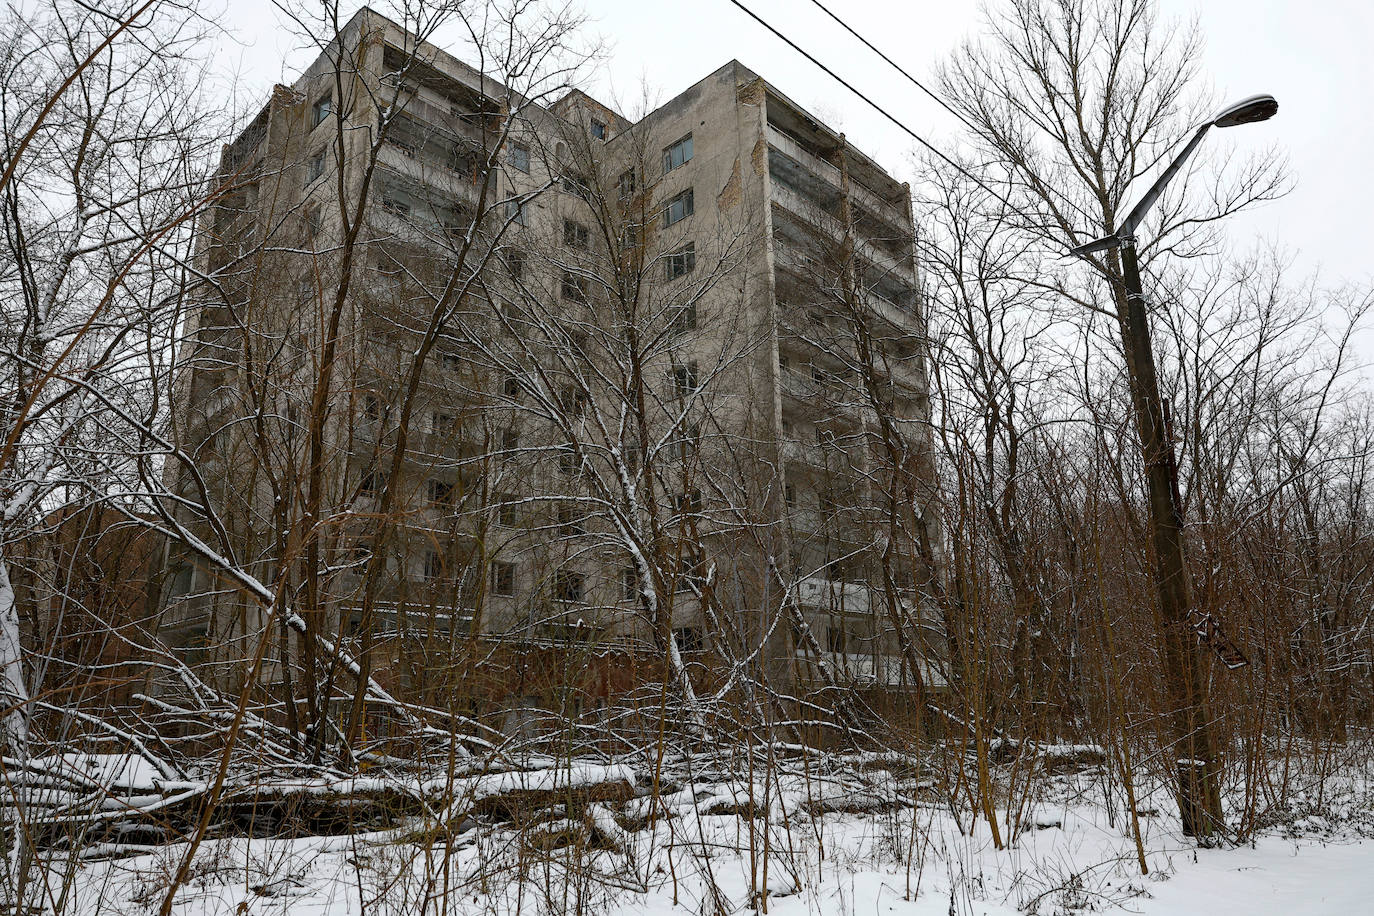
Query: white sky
point(1313, 56)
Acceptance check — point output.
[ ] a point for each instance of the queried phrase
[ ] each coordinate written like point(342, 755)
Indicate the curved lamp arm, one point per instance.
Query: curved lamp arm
point(1246, 111)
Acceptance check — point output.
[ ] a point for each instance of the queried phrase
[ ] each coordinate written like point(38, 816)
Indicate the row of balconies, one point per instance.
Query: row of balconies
point(888, 212)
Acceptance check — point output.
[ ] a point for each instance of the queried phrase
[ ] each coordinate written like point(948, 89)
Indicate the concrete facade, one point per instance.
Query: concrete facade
point(760, 466)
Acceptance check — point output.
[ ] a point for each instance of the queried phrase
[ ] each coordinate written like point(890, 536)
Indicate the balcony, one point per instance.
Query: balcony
point(833, 595)
point(422, 169)
point(876, 669)
point(891, 213)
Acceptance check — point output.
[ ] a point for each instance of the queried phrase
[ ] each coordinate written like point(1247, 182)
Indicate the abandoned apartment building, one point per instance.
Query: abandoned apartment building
point(637, 366)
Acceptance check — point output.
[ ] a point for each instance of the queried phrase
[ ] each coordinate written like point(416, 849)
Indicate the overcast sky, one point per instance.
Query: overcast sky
point(1313, 56)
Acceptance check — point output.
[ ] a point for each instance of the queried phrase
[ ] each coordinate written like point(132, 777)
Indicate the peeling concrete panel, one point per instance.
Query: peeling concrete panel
point(730, 194)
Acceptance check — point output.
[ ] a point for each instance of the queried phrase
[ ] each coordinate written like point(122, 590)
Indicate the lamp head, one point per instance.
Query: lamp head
point(1247, 111)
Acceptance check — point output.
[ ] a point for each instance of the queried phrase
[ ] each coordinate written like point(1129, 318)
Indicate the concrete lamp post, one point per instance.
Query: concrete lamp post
point(1199, 798)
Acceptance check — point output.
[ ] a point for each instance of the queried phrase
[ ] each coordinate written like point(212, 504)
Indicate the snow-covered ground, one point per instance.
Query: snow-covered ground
point(707, 859)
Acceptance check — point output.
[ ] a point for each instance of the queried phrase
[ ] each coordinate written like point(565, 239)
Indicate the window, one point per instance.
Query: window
point(682, 261)
point(515, 263)
point(789, 495)
point(451, 361)
point(577, 187)
point(322, 108)
point(510, 441)
point(508, 513)
point(440, 492)
point(687, 443)
point(503, 579)
point(314, 221)
point(689, 503)
point(573, 287)
point(395, 204)
point(570, 519)
point(690, 569)
point(626, 183)
point(515, 212)
point(434, 566)
point(679, 208)
point(372, 408)
point(373, 484)
point(685, 379)
point(314, 168)
point(688, 639)
point(598, 129)
point(443, 424)
point(520, 157)
point(575, 235)
point(573, 400)
point(680, 153)
point(569, 586)
point(629, 583)
point(511, 387)
point(567, 460)
point(305, 290)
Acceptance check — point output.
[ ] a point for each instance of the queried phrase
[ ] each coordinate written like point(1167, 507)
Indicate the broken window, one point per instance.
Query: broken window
point(682, 261)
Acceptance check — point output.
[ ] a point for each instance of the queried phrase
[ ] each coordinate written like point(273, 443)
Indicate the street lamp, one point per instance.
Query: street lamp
point(1246, 111)
point(1199, 798)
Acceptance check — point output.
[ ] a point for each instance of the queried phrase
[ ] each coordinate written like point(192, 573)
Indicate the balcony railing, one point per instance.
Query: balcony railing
point(871, 202)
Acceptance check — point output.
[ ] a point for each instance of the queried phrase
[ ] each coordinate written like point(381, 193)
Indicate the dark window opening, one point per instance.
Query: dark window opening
point(575, 235)
point(688, 640)
point(503, 579)
point(569, 586)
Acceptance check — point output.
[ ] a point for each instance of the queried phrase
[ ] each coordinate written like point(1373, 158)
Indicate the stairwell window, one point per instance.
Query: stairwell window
point(679, 208)
point(677, 155)
point(598, 129)
point(314, 168)
point(520, 157)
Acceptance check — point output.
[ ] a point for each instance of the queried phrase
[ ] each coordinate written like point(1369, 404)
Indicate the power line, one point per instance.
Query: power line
point(872, 104)
point(896, 66)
